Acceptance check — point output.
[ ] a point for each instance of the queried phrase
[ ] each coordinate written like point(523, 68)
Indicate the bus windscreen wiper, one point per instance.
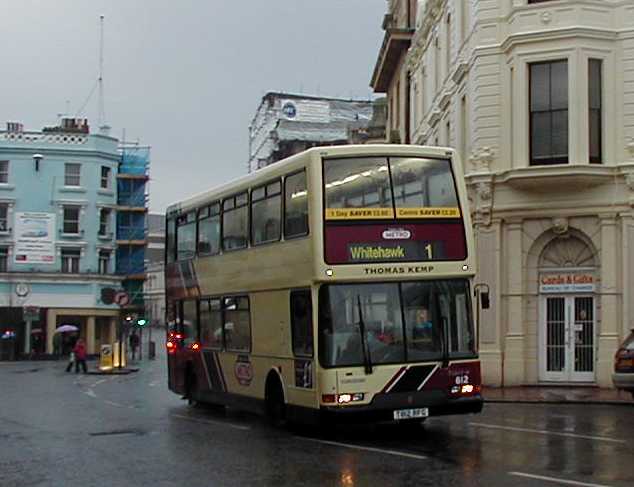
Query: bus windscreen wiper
point(367, 361)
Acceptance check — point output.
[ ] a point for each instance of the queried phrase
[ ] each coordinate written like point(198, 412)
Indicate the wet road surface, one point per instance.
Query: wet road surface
point(64, 430)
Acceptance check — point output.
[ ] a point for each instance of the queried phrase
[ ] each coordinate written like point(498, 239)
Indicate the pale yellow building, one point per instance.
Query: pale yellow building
point(538, 96)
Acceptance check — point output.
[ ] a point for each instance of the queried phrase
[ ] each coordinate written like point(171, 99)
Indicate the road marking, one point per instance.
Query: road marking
point(546, 432)
point(554, 479)
point(90, 393)
point(208, 421)
point(366, 448)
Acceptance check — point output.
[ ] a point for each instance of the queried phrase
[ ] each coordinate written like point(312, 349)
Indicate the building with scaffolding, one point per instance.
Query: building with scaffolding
point(131, 233)
point(72, 237)
point(285, 124)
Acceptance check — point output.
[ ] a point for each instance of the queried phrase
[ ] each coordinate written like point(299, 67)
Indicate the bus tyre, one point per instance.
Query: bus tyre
point(275, 407)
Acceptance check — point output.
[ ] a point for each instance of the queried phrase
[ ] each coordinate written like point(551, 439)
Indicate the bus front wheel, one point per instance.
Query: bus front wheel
point(275, 406)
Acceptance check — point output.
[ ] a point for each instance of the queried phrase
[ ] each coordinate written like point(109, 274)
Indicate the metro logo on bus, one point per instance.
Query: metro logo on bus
point(396, 234)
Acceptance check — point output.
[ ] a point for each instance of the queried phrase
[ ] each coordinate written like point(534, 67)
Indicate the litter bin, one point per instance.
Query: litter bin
point(152, 350)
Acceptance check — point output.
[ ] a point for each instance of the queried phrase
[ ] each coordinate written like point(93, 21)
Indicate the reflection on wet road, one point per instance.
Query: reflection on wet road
point(59, 429)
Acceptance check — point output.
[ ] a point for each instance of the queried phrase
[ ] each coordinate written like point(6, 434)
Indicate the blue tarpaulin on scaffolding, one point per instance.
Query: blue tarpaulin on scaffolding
point(134, 160)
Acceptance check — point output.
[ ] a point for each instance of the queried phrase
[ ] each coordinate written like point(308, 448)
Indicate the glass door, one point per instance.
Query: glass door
point(567, 339)
point(582, 339)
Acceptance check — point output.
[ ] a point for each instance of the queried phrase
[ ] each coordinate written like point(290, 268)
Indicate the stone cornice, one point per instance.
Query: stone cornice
point(69, 152)
point(555, 34)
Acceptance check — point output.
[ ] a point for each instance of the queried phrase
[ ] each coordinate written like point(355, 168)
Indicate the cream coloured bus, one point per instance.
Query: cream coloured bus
point(336, 283)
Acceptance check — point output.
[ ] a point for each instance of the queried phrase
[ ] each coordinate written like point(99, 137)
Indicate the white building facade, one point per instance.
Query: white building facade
point(538, 97)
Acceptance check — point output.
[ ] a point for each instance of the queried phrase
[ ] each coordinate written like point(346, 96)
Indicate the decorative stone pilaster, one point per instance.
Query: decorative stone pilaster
point(514, 341)
point(629, 182)
point(610, 296)
point(630, 148)
point(481, 182)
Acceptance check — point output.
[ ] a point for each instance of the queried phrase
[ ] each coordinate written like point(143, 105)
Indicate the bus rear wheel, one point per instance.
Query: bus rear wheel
point(275, 406)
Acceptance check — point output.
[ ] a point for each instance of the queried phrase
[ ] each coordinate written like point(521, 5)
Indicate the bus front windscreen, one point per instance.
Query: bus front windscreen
point(400, 322)
point(391, 209)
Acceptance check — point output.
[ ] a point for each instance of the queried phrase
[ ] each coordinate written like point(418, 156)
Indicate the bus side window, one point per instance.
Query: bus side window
point(170, 247)
point(211, 323)
point(235, 222)
point(189, 322)
point(302, 323)
point(266, 209)
point(295, 205)
point(237, 324)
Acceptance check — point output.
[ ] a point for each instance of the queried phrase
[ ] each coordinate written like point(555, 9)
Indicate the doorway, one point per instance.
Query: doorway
point(567, 339)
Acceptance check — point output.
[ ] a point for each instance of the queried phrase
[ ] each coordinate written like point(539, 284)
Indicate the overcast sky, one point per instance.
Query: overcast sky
point(184, 76)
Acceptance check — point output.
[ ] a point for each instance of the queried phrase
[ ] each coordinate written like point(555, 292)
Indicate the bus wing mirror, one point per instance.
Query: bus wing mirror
point(484, 300)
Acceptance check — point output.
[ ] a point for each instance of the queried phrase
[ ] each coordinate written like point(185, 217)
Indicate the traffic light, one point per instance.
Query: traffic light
point(141, 322)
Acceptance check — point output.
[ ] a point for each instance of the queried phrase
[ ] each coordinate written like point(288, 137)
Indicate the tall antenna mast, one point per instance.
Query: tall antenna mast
point(102, 113)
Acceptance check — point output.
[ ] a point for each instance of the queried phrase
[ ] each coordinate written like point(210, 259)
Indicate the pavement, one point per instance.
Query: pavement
point(557, 395)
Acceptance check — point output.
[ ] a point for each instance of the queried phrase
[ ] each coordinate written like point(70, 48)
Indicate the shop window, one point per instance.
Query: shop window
point(266, 213)
point(549, 113)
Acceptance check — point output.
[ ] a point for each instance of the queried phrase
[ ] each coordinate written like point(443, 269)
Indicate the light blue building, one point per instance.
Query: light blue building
point(58, 237)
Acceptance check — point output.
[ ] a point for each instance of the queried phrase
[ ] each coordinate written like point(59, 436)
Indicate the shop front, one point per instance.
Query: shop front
point(567, 337)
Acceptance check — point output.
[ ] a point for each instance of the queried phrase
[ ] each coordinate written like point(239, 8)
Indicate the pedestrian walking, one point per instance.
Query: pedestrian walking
point(134, 344)
point(57, 344)
point(71, 361)
point(80, 356)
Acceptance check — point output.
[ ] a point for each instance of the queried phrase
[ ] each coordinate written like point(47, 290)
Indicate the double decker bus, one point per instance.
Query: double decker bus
point(336, 283)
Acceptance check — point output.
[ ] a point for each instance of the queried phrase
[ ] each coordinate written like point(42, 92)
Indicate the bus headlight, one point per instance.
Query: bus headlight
point(346, 398)
point(329, 272)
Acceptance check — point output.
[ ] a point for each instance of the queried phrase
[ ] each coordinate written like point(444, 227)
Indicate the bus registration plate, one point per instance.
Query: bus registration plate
point(411, 413)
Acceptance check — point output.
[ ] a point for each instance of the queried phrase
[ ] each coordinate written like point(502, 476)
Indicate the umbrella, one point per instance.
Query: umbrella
point(65, 328)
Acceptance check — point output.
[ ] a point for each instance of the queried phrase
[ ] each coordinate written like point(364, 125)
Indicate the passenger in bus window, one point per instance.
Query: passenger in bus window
point(423, 327)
